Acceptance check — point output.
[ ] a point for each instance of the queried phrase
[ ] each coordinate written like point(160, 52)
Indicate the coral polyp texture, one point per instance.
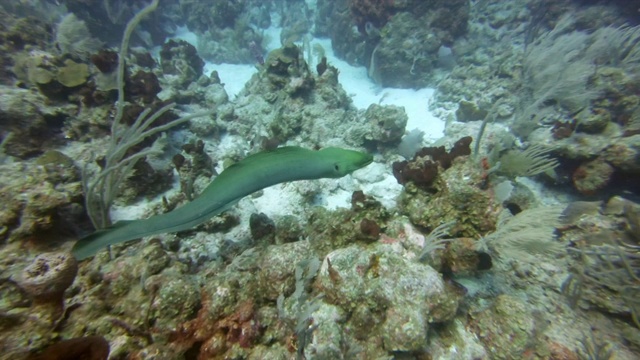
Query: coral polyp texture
point(48, 276)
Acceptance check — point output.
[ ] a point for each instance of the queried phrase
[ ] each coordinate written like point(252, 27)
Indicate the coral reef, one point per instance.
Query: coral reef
point(143, 85)
point(285, 99)
point(145, 180)
point(387, 124)
point(90, 348)
point(40, 202)
point(105, 60)
point(592, 176)
point(17, 34)
point(433, 196)
point(422, 171)
point(603, 237)
point(507, 328)
point(262, 228)
point(107, 19)
point(57, 78)
point(225, 29)
point(418, 49)
point(195, 164)
point(47, 277)
point(398, 41)
point(585, 128)
point(30, 124)
point(180, 58)
point(219, 13)
point(400, 319)
point(285, 68)
point(375, 12)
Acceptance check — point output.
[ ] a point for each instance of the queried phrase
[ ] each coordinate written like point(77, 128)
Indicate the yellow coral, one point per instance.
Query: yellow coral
point(72, 74)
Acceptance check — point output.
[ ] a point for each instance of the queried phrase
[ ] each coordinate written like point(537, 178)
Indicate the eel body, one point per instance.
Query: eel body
point(253, 173)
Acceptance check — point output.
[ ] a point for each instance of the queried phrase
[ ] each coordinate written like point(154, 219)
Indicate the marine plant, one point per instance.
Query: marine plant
point(436, 240)
point(529, 162)
point(559, 66)
point(102, 188)
point(530, 232)
point(73, 38)
point(612, 263)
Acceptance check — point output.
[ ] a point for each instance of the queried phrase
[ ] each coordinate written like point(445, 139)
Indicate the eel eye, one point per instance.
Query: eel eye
point(336, 167)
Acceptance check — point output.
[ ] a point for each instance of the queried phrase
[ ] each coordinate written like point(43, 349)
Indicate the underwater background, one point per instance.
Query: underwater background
point(499, 218)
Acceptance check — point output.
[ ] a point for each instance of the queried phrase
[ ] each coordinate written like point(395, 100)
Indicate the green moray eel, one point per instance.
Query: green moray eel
point(254, 173)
